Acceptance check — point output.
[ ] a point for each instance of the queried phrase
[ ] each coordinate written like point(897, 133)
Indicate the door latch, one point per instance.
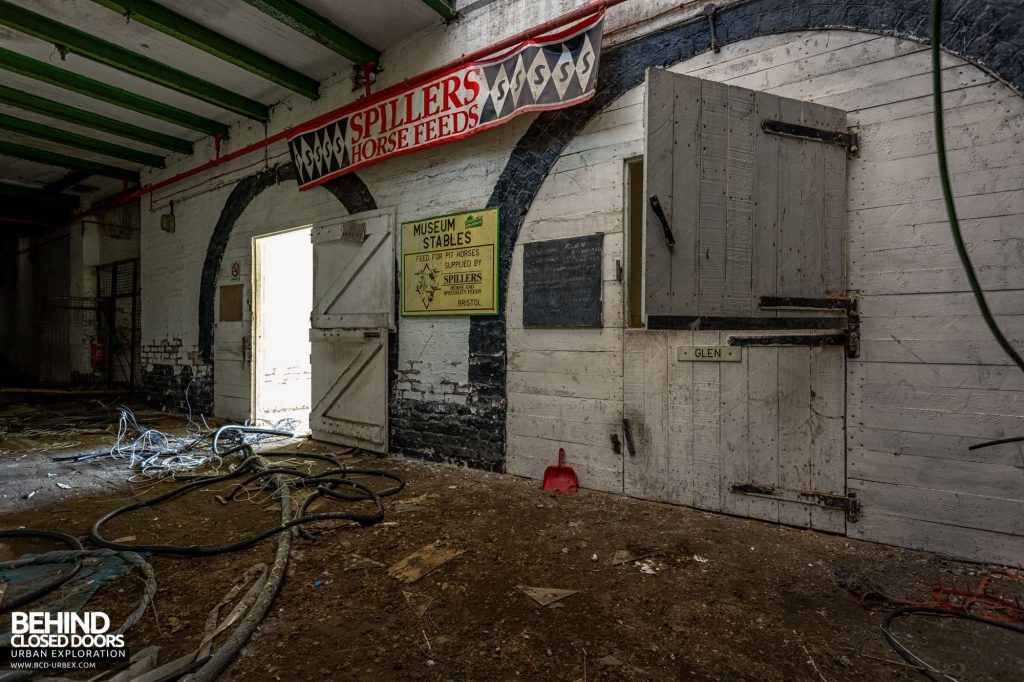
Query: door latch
point(848, 504)
point(660, 213)
point(627, 432)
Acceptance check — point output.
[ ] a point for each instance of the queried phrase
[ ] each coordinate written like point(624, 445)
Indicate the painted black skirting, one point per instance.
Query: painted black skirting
point(985, 33)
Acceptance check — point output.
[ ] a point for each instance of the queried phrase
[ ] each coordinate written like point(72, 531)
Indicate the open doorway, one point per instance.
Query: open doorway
point(283, 299)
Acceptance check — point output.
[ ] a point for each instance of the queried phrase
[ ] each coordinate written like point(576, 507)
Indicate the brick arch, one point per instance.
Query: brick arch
point(349, 189)
point(984, 34)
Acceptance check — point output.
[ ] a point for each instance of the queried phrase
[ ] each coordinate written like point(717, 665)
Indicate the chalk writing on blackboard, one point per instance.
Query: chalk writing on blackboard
point(562, 282)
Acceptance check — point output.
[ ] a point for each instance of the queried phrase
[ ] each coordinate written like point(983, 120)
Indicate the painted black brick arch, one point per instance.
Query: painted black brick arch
point(985, 33)
point(348, 189)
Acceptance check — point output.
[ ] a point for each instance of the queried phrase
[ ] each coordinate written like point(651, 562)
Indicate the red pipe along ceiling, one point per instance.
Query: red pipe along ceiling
point(539, 30)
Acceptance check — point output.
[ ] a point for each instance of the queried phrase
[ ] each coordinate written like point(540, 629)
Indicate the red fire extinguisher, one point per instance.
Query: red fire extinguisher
point(96, 354)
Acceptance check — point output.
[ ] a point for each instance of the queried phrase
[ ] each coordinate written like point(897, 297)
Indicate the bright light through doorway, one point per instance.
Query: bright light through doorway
point(283, 285)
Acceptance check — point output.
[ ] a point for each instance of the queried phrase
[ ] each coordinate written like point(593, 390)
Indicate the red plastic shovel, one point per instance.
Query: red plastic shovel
point(560, 477)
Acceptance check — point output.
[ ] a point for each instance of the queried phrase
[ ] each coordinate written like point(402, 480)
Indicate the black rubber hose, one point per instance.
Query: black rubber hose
point(909, 656)
point(947, 194)
point(325, 482)
point(58, 580)
point(1001, 441)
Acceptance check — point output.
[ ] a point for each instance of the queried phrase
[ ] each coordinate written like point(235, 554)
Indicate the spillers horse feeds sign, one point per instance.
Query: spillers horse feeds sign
point(549, 72)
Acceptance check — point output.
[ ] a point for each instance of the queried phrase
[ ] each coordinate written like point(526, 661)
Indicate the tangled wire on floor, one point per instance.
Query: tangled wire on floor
point(337, 483)
point(154, 452)
point(62, 431)
point(279, 474)
point(988, 602)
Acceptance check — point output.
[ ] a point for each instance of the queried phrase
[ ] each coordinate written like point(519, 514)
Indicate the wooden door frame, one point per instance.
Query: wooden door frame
point(255, 317)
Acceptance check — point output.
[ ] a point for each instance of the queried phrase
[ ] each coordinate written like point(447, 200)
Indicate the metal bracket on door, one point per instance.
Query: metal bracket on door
point(849, 504)
point(848, 304)
point(709, 12)
point(627, 432)
point(848, 138)
point(666, 228)
point(839, 339)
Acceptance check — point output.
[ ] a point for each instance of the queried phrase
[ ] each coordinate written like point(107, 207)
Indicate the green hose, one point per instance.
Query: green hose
point(947, 192)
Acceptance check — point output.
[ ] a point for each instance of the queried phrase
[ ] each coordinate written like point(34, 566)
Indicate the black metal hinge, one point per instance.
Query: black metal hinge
point(847, 138)
point(849, 504)
point(848, 304)
point(839, 339)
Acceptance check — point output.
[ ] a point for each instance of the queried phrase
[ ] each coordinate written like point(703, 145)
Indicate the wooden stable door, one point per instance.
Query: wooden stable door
point(735, 391)
point(353, 313)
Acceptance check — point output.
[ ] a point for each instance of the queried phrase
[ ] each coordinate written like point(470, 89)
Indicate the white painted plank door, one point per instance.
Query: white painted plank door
point(353, 313)
point(752, 214)
point(354, 272)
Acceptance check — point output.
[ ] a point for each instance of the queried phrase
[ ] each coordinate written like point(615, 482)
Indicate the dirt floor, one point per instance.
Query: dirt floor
point(709, 597)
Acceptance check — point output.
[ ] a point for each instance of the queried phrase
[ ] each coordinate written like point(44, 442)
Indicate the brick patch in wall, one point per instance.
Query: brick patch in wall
point(168, 372)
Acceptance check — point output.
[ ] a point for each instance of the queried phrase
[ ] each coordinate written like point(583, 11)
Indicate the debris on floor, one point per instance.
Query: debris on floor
point(545, 595)
point(422, 561)
point(471, 616)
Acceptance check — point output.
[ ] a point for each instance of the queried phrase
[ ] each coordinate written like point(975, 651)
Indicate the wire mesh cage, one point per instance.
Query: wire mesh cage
point(118, 323)
point(66, 335)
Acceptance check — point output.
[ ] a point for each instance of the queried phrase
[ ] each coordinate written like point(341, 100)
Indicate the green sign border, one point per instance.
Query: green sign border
point(497, 260)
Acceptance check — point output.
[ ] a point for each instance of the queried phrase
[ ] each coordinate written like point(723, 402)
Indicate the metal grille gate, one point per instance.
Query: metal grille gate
point(116, 353)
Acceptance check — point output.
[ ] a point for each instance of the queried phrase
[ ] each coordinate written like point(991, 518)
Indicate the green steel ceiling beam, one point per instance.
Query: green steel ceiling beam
point(46, 107)
point(47, 73)
point(442, 7)
point(81, 43)
point(44, 132)
point(53, 159)
point(314, 26)
point(68, 181)
point(198, 36)
point(10, 190)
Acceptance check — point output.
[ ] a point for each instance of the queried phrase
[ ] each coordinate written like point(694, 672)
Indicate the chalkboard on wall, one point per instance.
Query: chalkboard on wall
point(562, 282)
